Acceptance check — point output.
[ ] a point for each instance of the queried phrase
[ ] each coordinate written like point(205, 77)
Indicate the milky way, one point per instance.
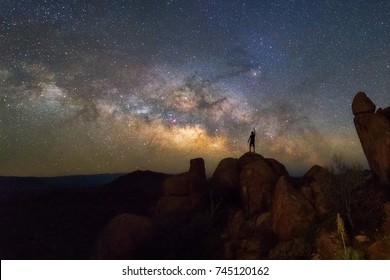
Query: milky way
point(114, 86)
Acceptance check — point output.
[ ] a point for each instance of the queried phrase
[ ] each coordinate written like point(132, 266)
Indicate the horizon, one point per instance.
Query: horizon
point(209, 173)
point(103, 88)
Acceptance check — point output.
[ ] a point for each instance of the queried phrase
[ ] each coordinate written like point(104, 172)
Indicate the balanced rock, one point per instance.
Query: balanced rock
point(362, 104)
point(373, 129)
point(123, 237)
point(292, 214)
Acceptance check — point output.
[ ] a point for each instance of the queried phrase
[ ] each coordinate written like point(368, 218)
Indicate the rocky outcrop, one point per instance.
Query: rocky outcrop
point(123, 237)
point(257, 181)
point(373, 129)
point(292, 214)
point(315, 187)
point(183, 194)
point(247, 239)
point(226, 181)
point(247, 182)
point(277, 168)
point(249, 158)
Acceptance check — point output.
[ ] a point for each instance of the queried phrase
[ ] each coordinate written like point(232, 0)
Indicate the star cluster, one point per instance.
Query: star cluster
point(113, 86)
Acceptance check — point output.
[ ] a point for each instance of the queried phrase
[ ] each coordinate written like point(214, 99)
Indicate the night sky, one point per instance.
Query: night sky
point(113, 86)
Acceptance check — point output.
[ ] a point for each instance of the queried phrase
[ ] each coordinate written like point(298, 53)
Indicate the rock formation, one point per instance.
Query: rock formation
point(373, 129)
point(315, 188)
point(183, 194)
point(292, 214)
point(226, 181)
point(257, 181)
point(247, 182)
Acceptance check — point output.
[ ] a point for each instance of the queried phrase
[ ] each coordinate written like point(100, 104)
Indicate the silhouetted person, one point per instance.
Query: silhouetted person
point(251, 141)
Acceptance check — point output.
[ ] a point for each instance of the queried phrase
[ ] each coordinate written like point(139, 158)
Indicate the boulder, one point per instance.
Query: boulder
point(362, 104)
point(123, 237)
point(328, 244)
point(278, 168)
point(249, 158)
point(235, 219)
point(226, 180)
point(247, 239)
point(373, 129)
point(257, 181)
point(292, 214)
point(315, 187)
point(361, 238)
point(379, 250)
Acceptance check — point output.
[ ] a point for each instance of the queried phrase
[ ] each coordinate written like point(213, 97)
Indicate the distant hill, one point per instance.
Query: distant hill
point(60, 217)
point(75, 181)
point(141, 182)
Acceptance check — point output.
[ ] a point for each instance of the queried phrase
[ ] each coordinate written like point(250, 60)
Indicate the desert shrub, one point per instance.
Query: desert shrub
point(352, 194)
point(351, 254)
point(345, 181)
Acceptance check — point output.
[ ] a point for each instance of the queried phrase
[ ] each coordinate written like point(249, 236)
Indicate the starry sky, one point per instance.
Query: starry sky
point(113, 86)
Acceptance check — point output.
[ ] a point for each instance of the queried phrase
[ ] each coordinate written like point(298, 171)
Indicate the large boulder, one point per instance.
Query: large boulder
point(257, 181)
point(315, 187)
point(278, 168)
point(292, 214)
point(246, 239)
point(226, 180)
point(373, 129)
point(124, 237)
point(248, 158)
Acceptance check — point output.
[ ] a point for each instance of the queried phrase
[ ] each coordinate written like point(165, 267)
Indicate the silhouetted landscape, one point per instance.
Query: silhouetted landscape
point(250, 208)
